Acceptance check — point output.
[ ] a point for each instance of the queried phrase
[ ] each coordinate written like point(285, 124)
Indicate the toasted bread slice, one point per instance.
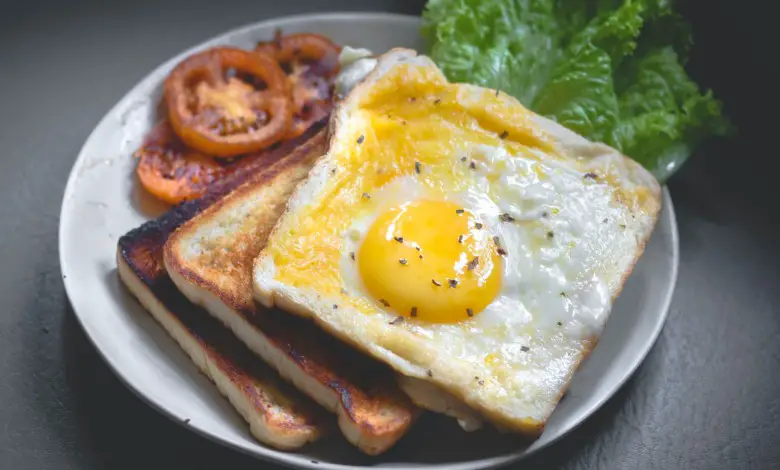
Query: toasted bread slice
point(481, 364)
point(210, 259)
point(278, 415)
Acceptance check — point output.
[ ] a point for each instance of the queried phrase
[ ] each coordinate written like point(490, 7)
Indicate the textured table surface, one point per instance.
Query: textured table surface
point(707, 396)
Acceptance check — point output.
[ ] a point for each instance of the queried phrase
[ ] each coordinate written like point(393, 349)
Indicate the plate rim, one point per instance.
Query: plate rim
point(262, 451)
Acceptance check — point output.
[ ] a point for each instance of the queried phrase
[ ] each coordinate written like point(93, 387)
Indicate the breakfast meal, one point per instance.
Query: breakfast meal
point(372, 234)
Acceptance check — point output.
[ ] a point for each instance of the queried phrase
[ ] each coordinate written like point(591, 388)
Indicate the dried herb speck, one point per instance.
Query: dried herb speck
point(397, 320)
point(560, 323)
point(481, 382)
point(361, 139)
point(413, 312)
point(399, 239)
point(478, 226)
point(463, 159)
point(460, 238)
point(430, 373)
point(417, 167)
point(473, 263)
point(453, 283)
point(503, 135)
point(525, 348)
point(403, 261)
point(437, 101)
point(366, 196)
point(550, 235)
point(506, 217)
point(469, 312)
point(473, 165)
point(590, 175)
point(436, 283)
point(335, 306)
point(459, 211)
point(384, 302)
point(352, 255)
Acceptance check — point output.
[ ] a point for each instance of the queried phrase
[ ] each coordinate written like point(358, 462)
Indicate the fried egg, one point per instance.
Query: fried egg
point(460, 238)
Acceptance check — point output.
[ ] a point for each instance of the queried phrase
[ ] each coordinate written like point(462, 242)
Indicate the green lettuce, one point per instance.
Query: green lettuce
point(611, 70)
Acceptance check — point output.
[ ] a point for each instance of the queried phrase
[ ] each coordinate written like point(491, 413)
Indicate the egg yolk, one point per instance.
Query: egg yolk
point(432, 260)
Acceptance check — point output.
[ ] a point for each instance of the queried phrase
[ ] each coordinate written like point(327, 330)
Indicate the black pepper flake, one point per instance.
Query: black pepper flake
point(421, 256)
point(545, 214)
point(505, 217)
point(560, 323)
point(605, 220)
point(352, 255)
point(478, 226)
point(418, 248)
point(399, 239)
point(473, 165)
point(459, 211)
point(501, 252)
point(525, 348)
point(384, 302)
point(453, 283)
point(413, 312)
point(563, 294)
point(430, 373)
point(366, 196)
point(335, 306)
point(417, 167)
point(361, 139)
point(550, 235)
point(476, 377)
point(397, 320)
point(412, 99)
point(437, 101)
point(333, 171)
point(590, 175)
point(503, 135)
point(436, 283)
point(463, 159)
point(473, 263)
point(403, 261)
point(460, 238)
point(623, 226)
point(469, 312)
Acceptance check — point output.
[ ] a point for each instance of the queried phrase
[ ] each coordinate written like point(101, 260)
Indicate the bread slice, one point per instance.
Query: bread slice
point(210, 260)
point(517, 396)
point(278, 415)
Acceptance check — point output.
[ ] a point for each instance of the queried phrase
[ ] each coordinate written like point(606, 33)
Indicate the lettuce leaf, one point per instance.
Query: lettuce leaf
point(611, 70)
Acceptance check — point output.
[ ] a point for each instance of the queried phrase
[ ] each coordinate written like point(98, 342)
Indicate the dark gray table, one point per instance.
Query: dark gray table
point(706, 397)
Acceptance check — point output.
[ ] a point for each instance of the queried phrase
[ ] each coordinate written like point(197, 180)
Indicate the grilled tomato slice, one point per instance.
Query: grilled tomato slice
point(311, 63)
point(227, 101)
point(173, 172)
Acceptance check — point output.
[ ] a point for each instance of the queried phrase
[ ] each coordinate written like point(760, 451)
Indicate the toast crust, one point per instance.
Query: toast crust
point(305, 303)
point(210, 260)
point(278, 415)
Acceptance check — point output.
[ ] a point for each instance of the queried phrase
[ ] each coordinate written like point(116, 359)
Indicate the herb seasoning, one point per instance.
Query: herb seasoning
point(469, 312)
point(397, 320)
point(473, 263)
point(525, 348)
point(436, 283)
point(503, 135)
point(361, 139)
point(417, 167)
point(453, 283)
point(506, 217)
point(403, 261)
point(384, 302)
point(413, 312)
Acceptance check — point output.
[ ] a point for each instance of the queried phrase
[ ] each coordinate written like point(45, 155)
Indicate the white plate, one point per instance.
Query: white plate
point(102, 202)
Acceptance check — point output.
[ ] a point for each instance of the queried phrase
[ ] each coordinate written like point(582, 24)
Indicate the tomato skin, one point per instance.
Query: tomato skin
point(226, 117)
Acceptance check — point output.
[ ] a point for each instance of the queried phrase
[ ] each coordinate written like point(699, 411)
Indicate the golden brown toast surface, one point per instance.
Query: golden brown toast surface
point(210, 259)
point(278, 414)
